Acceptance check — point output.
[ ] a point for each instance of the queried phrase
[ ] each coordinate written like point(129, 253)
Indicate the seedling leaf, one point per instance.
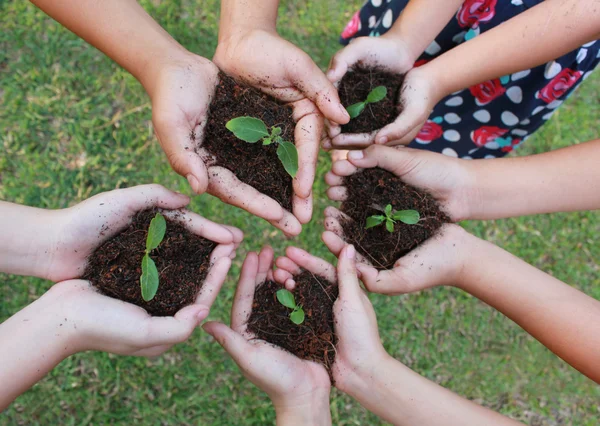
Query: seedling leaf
point(288, 155)
point(156, 232)
point(149, 279)
point(377, 94)
point(355, 109)
point(388, 210)
point(248, 129)
point(389, 225)
point(410, 217)
point(373, 221)
point(297, 316)
point(286, 298)
point(275, 131)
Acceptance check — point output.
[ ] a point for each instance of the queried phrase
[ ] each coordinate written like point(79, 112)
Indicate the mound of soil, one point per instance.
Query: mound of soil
point(314, 339)
point(182, 260)
point(369, 191)
point(252, 163)
point(356, 86)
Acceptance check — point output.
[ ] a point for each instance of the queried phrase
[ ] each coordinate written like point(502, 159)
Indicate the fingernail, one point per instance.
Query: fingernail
point(344, 112)
point(193, 182)
point(350, 252)
point(382, 140)
point(356, 155)
point(327, 144)
point(202, 314)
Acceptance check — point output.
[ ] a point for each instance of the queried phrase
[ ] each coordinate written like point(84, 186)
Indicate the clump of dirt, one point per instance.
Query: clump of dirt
point(356, 86)
point(315, 338)
point(182, 260)
point(253, 163)
point(368, 192)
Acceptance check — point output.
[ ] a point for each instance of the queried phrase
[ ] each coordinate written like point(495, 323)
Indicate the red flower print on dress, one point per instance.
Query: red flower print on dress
point(487, 134)
point(429, 132)
point(473, 12)
point(557, 87)
point(487, 91)
point(420, 62)
point(352, 27)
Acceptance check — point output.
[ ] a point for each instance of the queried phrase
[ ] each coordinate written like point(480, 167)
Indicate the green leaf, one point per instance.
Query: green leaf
point(267, 141)
point(297, 316)
point(377, 94)
point(288, 155)
point(374, 221)
point(275, 131)
point(389, 225)
point(410, 217)
point(248, 129)
point(388, 210)
point(149, 279)
point(355, 109)
point(156, 232)
point(286, 298)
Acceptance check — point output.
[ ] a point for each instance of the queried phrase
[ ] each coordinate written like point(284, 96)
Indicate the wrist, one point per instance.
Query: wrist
point(310, 409)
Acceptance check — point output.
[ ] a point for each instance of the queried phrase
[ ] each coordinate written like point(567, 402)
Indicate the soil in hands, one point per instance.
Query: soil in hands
point(368, 192)
point(356, 86)
point(253, 163)
point(312, 340)
point(182, 260)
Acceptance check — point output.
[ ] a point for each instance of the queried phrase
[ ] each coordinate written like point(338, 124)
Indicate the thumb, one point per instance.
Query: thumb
point(311, 81)
point(399, 161)
point(235, 344)
point(410, 120)
point(346, 270)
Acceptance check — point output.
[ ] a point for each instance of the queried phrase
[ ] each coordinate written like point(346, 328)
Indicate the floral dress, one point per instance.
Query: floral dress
point(492, 118)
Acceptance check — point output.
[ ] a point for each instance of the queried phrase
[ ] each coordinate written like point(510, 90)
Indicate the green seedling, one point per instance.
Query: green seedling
point(390, 217)
point(149, 278)
point(252, 130)
point(286, 298)
point(377, 94)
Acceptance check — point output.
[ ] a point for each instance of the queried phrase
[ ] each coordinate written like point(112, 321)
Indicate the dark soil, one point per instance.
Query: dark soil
point(369, 191)
point(182, 260)
point(252, 163)
point(314, 339)
point(356, 86)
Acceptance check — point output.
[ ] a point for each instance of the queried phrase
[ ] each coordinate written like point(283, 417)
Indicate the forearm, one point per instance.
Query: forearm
point(420, 23)
point(27, 235)
point(315, 412)
point(562, 318)
point(402, 397)
point(32, 343)
point(122, 30)
point(534, 37)
point(563, 180)
point(238, 17)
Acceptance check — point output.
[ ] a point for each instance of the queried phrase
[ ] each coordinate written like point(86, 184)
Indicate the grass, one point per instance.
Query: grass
point(74, 124)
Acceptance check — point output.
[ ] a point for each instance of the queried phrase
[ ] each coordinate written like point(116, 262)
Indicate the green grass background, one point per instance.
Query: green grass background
point(74, 124)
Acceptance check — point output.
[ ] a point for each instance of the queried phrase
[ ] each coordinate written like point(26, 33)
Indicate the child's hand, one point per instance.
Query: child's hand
point(82, 228)
point(296, 387)
point(438, 261)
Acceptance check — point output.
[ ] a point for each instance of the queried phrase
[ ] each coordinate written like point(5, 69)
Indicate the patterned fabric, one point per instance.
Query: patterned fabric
point(492, 118)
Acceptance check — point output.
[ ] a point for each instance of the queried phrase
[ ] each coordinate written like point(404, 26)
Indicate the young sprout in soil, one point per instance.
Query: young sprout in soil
point(250, 129)
point(149, 278)
point(410, 217)
point(376, 95)
point(286, 298)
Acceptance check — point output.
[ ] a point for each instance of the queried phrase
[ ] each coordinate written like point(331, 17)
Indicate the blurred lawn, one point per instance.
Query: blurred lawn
point(74, 124)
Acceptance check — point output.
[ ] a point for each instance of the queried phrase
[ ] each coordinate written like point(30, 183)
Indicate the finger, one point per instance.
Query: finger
point(235, 344)
point(340, 63)
point(405, 123)
point(407, 139)
point(143, 197)
point(333, 242)
point(333, 179)
point(347, 276)
point(171, 330)
point(318, 89)
point(353, 140)
point(265, 263)
point(303, 208)
point(229, 189)
point(153, 351)
point(289, 224)
point(333, 129)
point(222, 250)
point(288, 265)
point(344, 168)
point(198, 225)
point(395, 160)
point(307, 135)
point(337, 193)
point(311, 263)
point(282, 276)
point(244, 293)
point(213, 282)
point(238, 234)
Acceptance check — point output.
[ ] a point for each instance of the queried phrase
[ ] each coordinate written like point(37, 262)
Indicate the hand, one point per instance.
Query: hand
point(294, 385)
point(80, 229)
point(275, 66)
point(418, 97)
point(438, 261)
point(359, 350)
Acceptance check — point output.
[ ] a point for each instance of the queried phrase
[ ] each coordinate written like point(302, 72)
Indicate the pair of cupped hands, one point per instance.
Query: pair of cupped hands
point(182, 91)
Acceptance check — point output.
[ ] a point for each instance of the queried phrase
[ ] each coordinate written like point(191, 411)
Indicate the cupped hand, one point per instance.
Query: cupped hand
point(84, 227)
point(359, 349)
point(289, 381)
point(439, 260)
